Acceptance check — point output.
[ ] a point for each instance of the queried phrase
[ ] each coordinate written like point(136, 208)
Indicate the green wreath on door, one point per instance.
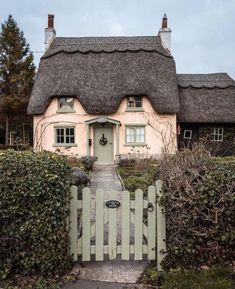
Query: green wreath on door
point(103, 140)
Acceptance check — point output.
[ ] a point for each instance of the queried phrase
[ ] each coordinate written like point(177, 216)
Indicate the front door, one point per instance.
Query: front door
point(103, 140)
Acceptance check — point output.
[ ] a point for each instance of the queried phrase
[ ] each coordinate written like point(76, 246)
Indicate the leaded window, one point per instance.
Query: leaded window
point(65, 135)
point(135, 135)
point(217, 134)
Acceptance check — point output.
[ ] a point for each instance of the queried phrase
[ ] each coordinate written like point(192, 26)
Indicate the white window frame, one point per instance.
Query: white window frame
point(65, 135)
point(217, 134)
point(188, 131)
point(67, 108)
point(133, 99)
point(135, 143)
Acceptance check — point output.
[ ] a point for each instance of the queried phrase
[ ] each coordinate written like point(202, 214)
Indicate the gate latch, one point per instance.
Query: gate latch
point(150, 207)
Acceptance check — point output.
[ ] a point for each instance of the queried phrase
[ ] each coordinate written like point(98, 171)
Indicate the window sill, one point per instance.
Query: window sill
point(65, 111)
point(134, 109)
point(65, 145)
point(135, 145)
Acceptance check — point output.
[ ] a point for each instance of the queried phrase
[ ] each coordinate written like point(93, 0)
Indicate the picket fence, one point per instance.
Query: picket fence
point(116, 228)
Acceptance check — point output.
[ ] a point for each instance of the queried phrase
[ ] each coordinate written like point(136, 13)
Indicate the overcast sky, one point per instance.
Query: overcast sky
point(203, 31)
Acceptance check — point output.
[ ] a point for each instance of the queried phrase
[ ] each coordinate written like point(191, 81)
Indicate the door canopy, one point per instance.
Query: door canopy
point(103, 120)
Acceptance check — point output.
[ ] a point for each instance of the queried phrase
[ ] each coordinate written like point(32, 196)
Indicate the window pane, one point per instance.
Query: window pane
point(62, 102)
point(69, 102)
point(138, 102)
point(71, 131)
point(187, 134)
point(140, 134)
point(130, 135)
point(131, 101)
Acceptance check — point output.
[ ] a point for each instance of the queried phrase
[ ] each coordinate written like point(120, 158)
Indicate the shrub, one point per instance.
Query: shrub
point(88, 162)
point(126, 162)
point(133, 183)
point(34, 206)
point(79, 177)
point(199, 197)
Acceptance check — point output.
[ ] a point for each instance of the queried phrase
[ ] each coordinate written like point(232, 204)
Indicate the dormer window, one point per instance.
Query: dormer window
point(134, 103)
point(65, 104)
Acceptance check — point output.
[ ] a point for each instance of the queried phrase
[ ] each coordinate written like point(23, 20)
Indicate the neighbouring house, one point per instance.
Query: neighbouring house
point(113, 96)
point(207, 111)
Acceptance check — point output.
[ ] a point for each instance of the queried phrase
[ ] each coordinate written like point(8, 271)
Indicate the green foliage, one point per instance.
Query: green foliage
point(138, 174)
point(199, 194)
point(215, 278)
point(34, 206)
point(17, 73)
point(16, 68)
point(22, 282)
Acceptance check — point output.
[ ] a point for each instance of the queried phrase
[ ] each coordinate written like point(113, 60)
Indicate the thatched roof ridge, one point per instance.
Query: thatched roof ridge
point(209, 80)
point(106, 44)
point(100, 72)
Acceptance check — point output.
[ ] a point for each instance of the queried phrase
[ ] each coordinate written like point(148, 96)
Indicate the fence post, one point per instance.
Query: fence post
point(161, 227)
point(73, 232)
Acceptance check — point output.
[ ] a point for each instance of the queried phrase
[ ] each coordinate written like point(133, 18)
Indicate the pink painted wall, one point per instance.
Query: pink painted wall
point(160, 129)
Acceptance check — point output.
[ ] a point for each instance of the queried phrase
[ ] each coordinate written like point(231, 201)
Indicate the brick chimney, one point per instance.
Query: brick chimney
point(165, 34)
point(49, 32)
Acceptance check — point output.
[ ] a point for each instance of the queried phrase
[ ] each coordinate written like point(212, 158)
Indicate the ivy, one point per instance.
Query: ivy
point(34, 206)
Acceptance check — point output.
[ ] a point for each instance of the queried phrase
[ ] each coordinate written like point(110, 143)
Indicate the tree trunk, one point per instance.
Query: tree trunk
point(7, 130)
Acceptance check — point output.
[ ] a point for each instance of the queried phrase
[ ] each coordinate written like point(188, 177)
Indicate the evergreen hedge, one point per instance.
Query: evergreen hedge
point(34, 206)
point(199, 195)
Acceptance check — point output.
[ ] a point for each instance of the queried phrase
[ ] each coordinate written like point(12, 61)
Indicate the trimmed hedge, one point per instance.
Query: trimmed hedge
point(34, 206)
point(199, 197)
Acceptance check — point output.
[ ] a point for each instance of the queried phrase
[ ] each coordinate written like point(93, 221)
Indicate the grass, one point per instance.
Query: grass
point(213, 278)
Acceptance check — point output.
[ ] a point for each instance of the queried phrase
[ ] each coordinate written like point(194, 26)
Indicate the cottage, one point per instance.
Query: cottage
point(114, 96)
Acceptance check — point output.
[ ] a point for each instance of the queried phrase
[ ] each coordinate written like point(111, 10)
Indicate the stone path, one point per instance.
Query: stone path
point(106, 178)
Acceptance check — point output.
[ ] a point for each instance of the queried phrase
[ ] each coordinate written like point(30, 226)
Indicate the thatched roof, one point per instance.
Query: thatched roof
point(206, 98)
point(100, 71)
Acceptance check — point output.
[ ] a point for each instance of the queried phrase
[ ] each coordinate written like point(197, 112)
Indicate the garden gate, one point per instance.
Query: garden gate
point(131, 229)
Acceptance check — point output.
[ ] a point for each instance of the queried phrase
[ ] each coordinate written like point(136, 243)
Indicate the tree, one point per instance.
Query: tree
point(17, 71)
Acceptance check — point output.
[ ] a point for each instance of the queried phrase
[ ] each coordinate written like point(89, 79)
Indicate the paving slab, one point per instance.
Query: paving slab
point(85, 284)
point(110, 271)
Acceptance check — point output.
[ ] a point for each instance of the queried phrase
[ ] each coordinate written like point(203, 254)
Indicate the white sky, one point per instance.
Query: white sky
point(203, 31)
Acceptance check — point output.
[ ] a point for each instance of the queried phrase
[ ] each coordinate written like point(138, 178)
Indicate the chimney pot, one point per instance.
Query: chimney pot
point(50, 21)
point(164, 21)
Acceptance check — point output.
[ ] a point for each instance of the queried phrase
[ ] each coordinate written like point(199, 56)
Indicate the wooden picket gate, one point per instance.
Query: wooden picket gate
point(145, 240)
